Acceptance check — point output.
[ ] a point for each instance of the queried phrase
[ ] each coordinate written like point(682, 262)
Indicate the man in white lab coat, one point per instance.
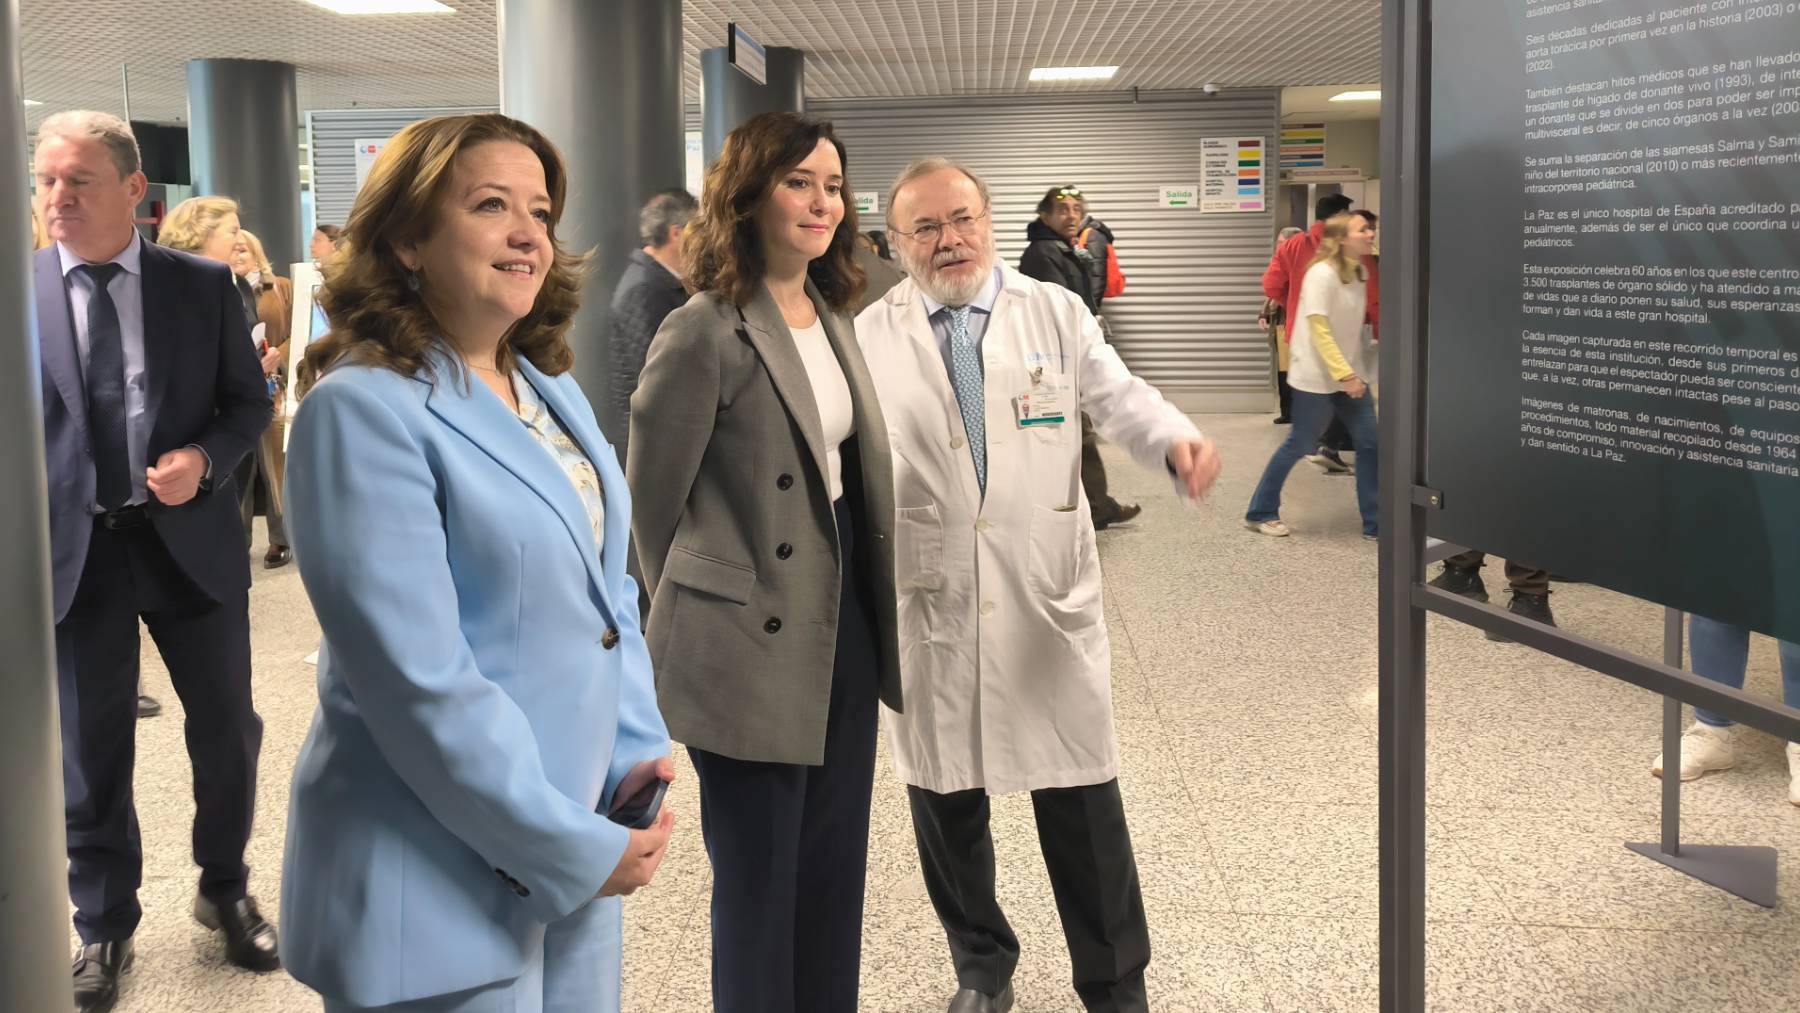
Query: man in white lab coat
point(983, 373)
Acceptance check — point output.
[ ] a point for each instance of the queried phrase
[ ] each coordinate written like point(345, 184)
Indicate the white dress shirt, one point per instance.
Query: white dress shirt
point(127, 291)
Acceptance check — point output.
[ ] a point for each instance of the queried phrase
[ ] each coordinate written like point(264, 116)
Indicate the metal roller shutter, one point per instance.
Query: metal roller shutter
point(1186, 322)
point(332, 135)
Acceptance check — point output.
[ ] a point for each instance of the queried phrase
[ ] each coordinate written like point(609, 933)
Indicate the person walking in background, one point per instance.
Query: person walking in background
point(152, 396)
point(765, 526)
point(1327, 374)
point(1721, 652)
point(1282, 280)
point(1530, 586)
point(648, 291)
point(324, 243)
point(275, 312)
point(1273, 321)
point(466, 810)
point(1052, 255)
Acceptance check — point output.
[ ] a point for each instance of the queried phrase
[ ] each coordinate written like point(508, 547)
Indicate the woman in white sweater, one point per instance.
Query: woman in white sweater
point(1326, 374)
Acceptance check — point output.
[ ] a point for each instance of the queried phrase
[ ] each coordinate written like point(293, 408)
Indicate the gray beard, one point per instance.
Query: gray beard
point(950, 293)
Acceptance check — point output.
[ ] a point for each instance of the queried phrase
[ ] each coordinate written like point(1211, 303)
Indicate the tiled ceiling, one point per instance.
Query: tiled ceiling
point(75, 51)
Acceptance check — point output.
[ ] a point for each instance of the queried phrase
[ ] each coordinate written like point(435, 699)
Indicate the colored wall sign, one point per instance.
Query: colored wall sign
point(868, 204)
point(1233, 175)
point(1302, 145)
point(366, 150)
point(1187, 197)
point(1341, 174)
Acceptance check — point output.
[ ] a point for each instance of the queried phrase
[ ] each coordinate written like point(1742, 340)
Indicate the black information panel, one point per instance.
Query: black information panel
point(1614, 387)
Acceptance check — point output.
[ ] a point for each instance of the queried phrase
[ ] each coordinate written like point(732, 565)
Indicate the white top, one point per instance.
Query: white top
point(831, 392)
point(1343, 306)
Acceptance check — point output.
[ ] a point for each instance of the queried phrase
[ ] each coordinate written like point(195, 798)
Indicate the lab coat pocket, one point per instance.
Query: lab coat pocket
point(918, 549)
point(1055, 551)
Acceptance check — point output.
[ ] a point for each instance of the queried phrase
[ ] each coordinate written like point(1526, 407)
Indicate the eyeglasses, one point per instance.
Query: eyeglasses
point(966, 226)
point(1069, 191)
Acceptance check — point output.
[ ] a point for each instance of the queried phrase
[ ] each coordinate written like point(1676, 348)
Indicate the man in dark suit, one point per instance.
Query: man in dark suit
point(649, 290)
point(152, 394)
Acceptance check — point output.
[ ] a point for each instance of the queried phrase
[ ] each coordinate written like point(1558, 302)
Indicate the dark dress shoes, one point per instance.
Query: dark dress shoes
point(97, 970)
point(249, 941)
point(1120, 514)
point(277, 557)
point(972, 1001)
point(148, 706)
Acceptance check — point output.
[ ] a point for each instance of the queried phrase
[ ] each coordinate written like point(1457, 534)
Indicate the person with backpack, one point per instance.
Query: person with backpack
point(1057, 252)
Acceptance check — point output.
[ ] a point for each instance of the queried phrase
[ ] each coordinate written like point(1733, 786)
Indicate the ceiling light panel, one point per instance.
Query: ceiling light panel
point(72, 53)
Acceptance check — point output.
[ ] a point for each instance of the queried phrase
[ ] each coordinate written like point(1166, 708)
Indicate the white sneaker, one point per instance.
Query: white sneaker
point(1704, 749)
point(1793, 751)
point(1274, 529)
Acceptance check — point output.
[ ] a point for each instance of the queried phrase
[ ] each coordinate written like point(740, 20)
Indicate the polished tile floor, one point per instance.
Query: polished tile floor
point(1245, 684)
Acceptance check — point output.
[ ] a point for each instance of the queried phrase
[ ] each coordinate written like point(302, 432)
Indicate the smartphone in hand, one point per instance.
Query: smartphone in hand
point(640, 810)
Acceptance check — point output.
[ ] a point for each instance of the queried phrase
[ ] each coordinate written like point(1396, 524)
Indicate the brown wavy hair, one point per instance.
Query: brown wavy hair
point(376, 320)
point(721, 248)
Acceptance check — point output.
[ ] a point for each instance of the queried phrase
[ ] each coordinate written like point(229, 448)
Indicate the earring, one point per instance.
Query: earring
point(412, 281)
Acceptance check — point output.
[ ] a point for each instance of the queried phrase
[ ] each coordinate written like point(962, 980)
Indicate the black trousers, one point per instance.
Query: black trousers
point(206, 644)
point(1087, 850)
point(1093, 474)
point(1336, 437)
point(789, 844)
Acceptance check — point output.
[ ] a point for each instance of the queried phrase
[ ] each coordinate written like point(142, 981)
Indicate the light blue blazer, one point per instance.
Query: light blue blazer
point(483, 684)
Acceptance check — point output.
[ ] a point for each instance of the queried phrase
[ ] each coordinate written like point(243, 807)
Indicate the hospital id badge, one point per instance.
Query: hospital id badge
point(1045, 404)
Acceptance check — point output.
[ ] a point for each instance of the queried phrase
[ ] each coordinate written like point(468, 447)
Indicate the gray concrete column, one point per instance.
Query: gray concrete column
point(244, 143)
point(728, 97)
point(34, 899)
point(601, 78)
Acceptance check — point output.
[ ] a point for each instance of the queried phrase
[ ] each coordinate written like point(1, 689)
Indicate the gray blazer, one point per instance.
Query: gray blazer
point(736, 533)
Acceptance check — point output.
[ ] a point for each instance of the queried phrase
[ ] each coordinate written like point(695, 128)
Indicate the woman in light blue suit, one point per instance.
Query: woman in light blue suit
point(455, 839)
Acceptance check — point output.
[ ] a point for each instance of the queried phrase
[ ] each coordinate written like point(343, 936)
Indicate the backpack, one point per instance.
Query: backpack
point(1115, 278)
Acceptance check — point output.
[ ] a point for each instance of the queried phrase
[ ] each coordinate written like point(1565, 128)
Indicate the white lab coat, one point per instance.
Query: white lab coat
point(1003, 650)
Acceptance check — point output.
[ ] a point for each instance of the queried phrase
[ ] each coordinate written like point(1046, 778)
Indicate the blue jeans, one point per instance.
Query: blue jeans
point(1720, 652)
point(1311, 414)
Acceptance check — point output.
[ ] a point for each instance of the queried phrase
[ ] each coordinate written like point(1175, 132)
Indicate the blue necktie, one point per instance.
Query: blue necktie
point(966, 378)
point(105, 378)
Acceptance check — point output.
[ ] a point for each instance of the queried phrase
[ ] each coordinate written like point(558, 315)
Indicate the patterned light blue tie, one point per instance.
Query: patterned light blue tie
point(966, 377)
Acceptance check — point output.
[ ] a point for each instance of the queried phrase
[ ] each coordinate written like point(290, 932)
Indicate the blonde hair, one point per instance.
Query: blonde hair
point(258, 259)
point(192, 222)
point(1331, 249)
point(40, 237)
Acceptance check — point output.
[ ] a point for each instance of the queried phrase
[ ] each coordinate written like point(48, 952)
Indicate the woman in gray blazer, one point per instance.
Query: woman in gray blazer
point(759, 465)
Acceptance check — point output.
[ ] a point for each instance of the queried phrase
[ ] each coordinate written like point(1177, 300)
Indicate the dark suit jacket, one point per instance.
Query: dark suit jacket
point(205, 389)
point(646, 294)
point(737, 534)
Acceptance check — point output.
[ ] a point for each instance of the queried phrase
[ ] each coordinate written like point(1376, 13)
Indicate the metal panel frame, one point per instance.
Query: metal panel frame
point(1406, 501)
point(34, 973)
